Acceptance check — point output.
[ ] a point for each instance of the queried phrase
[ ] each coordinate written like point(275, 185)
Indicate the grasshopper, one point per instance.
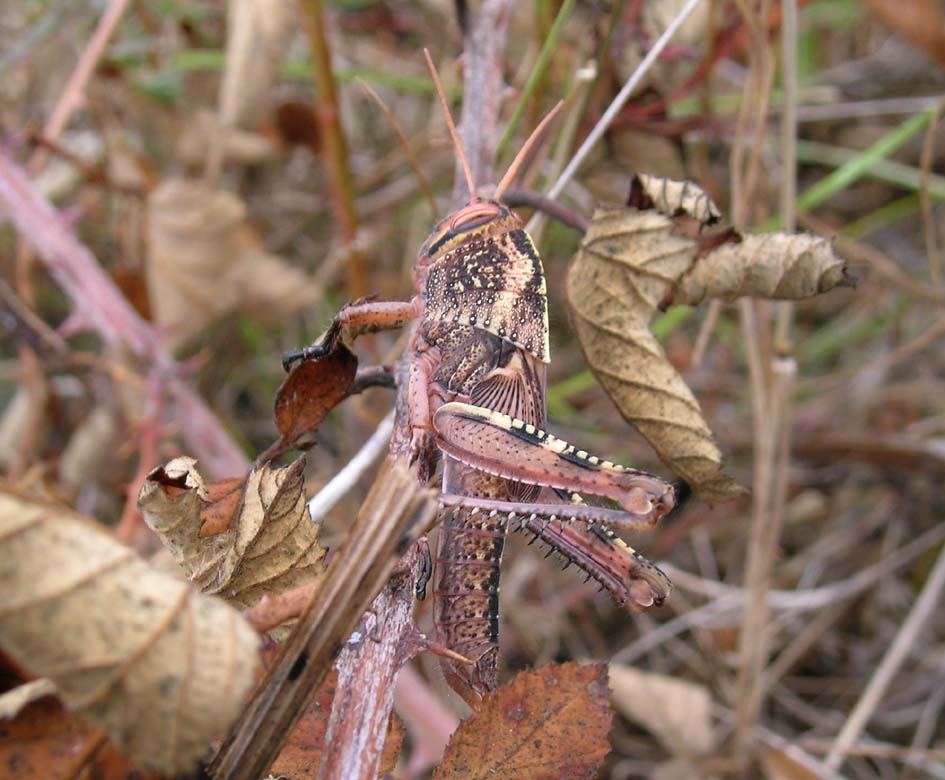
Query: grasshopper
point(472, 395)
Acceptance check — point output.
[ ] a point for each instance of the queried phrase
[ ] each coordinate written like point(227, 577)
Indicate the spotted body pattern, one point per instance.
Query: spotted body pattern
point(496, 285)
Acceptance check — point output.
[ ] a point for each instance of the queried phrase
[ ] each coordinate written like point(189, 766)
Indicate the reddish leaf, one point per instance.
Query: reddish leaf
point(545, 724)
point(393, 743)
point(45, 740)
point(219, 515)
point(302, 753)
point(312, 390)
point(921, 21)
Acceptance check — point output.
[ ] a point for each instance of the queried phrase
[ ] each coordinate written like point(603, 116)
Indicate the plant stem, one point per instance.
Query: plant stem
point(482, 91)
point(622, 97)
point(334, 147)
point(395, 513)
point(537, 74)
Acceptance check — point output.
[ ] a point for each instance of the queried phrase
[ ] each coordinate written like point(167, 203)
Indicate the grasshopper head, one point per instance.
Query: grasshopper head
point(478, 220)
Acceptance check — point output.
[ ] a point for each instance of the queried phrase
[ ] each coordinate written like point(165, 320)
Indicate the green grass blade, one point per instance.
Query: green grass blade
point(534, 79)
point(857, 167)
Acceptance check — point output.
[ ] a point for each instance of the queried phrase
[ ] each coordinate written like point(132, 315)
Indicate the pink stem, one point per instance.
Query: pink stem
point(101, 304)
point(71, 97)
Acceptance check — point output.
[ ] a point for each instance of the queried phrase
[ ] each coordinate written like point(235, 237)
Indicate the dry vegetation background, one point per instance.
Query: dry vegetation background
point(181, 144)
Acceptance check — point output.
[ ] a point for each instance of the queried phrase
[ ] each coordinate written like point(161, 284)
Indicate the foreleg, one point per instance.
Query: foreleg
point(355, 319)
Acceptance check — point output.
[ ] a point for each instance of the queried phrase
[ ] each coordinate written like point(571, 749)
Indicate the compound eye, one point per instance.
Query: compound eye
point(473, 216)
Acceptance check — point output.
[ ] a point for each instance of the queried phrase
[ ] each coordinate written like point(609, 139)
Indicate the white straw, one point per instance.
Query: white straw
point(604, 122)
point(326, 498)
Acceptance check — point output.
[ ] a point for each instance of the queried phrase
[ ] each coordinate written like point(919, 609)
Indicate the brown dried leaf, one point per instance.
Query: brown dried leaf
point(634, 260)
point(45, 740)
point(311, 390)
point(271, 547)
point(161, 669)
point(545, 723)
point(674, 710)
point(613, 294)
point(302, 753)
point(205, 262)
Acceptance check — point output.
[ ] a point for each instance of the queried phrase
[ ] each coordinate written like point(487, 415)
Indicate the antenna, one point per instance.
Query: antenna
point(449, 122)
point(405, 144)
point(533, 139)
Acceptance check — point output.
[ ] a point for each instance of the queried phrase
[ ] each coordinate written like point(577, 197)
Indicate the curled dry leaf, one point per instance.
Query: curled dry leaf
point(160, 668)
point(311, 390)
point(205, 262)
point(777, 266)
point(257, 35)
point(675, 198)
point(635, 260)
point(269, 546)
point(203, 129)
point(545, 723)
point(676, 711)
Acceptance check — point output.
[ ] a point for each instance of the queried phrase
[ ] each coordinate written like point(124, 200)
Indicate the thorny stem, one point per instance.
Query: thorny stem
point(334, 148)
point(69, 101)
point(367, 671)
point(149, 439)
point(364, 693)
point(395, 513)
point(102, 306)
point(482, 91)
